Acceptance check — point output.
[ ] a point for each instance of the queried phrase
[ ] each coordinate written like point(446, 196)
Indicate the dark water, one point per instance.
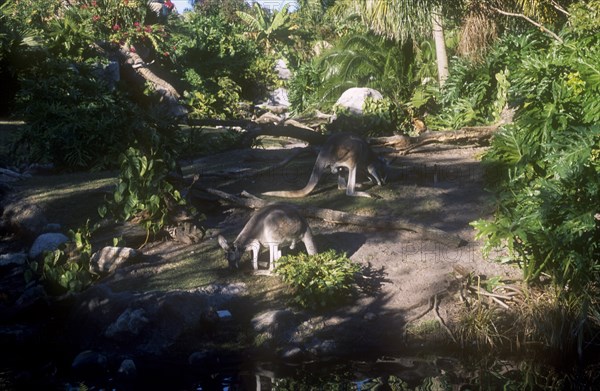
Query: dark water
point(426, 372)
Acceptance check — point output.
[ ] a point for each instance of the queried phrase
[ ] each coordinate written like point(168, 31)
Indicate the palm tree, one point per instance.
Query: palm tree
point(267, 27)
point(402, 20)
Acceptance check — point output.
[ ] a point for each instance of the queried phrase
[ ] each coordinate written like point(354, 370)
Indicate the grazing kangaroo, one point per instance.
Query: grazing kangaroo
point(343, 150)
point(273, 226)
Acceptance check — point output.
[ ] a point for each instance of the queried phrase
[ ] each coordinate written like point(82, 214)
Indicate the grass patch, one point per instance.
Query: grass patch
point(68, 199)
point(424, 328)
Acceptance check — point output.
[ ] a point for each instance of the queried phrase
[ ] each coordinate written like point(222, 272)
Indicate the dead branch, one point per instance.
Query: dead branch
point(533, 22)
point(339, 217)
point(468, 135)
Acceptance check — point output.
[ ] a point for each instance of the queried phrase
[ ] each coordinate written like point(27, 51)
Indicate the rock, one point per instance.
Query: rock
point(274, 327)
point(282, 70)
point(324, 348)
point(272, 321)
point(110, 258)
point(353, 99)
point(130, 323)
point(12, 260)
point(26, 219)
point(127, 369)
point(293, 353)
point(90, 363)
point(46, 242)
point(279, 97)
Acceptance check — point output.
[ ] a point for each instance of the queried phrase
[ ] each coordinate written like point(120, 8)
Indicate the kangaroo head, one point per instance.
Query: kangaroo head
point(233, 253)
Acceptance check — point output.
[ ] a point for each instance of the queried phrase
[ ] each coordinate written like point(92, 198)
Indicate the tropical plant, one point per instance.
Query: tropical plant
point(210, 53)
point(319, 280)
point(545, 166)
point(269, 29)
point(142, 194)
point(74, 119)
point(65, 269)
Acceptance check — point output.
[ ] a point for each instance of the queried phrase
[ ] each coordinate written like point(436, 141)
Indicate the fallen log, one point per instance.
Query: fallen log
point(255, 129)
point(401, 144)
point(339, 217)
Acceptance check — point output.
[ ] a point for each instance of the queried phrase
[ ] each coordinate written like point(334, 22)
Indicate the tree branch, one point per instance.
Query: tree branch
point(538, 25)
point(166, 90)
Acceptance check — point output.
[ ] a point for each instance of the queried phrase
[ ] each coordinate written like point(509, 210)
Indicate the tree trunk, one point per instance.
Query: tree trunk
point(169, 95)
point(400, 144)
point(256, 129)
point(440, 45)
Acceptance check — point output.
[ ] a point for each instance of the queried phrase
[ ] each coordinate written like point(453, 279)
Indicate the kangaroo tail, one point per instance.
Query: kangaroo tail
point(312, 183)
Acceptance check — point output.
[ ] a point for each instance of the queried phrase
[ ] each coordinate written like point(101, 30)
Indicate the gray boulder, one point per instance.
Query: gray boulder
point(25, 219)
point(46, 242)
point(353, 99)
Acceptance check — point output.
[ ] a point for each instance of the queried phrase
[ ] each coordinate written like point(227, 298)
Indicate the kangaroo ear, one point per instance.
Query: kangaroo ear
point(223, 243)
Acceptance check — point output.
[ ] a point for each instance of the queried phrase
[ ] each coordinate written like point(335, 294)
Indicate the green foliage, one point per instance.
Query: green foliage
point(319, 280)
point(65, 269)
point(365, 60)
point(380, 117)
point(272, 30)
point(219, 66)
point(73, 118)
point(544, 168)
point(302, 88)
point(142, 193)
point(475, 93)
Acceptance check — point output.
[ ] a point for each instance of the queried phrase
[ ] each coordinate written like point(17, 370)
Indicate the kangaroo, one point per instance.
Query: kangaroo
point(273, 226)
point(343, 151)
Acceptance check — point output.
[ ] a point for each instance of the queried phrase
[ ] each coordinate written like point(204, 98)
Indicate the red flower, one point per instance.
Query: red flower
point(116, 27)
point(166, 54)
point(136, 24)
point(96, 18)
point(148, 29)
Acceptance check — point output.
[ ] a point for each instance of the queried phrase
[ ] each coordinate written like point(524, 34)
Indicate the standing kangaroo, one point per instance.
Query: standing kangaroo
point(273, 226)
point(343, 150)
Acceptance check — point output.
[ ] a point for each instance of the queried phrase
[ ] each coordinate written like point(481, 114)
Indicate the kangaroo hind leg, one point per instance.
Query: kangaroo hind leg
point(350, 190)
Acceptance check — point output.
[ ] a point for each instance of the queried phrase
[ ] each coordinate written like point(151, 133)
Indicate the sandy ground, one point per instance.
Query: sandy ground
point(442, 188)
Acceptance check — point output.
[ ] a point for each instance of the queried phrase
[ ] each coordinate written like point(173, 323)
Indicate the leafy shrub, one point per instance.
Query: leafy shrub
point(73, 118)
point(67, 268)
point(217, 61)
point(319, 280)
point(380, 117)
point(545, 167)
point(303, 86)
point(143, 193)
point(475, 93)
